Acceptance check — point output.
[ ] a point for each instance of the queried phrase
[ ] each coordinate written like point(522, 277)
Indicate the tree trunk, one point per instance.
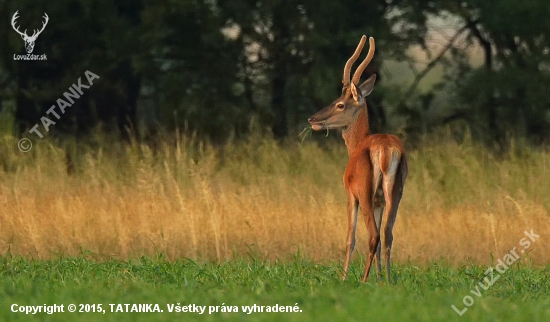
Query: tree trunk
point(280, 126)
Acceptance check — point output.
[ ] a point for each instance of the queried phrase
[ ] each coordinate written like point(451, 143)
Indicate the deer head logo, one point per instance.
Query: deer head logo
point(29, 40)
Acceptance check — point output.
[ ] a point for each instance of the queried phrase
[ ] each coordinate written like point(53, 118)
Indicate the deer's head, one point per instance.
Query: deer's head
point(29, 40)
point(343, 112)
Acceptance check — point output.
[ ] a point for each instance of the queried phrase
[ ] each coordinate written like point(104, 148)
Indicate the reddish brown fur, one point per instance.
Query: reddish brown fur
point(385, 143)
point(377, 168)
point(367, 152)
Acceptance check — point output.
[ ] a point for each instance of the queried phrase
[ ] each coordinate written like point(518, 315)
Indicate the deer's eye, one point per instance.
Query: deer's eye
point(340, 106)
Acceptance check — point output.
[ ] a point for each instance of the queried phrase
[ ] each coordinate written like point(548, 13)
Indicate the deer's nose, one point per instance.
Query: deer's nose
point(311, 119)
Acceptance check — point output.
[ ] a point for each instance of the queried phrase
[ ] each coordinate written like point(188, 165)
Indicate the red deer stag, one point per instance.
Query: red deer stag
point(377, 167)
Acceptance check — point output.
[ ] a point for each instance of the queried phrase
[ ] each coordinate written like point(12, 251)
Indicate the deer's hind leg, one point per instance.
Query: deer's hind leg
point(353, 212)
point(393, 182)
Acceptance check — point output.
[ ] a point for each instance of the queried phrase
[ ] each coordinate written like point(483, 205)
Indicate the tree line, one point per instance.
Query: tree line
point(215, 66)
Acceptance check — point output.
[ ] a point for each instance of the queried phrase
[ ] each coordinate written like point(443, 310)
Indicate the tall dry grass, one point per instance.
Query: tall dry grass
point(190, 199)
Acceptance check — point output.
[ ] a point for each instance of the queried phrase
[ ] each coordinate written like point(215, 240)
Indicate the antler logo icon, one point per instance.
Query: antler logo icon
point(29, 40)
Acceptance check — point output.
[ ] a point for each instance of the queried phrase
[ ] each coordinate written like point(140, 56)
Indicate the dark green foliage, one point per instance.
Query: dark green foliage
point(216, 66)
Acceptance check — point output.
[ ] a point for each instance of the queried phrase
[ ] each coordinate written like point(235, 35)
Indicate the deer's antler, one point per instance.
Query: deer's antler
point(15, 27)
point(361, 68)
point(43, 25)
point(36, 31)
point(352, 59)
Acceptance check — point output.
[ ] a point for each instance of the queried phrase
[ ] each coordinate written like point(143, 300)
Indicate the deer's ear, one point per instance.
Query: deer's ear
point(355, 93)
point(367, 87)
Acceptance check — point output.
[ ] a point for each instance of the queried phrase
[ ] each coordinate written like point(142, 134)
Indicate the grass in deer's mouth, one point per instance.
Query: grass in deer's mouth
point(306, 132)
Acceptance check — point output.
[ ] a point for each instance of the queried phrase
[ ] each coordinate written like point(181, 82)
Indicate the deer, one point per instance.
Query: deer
point(29, 40)
point(377, 167)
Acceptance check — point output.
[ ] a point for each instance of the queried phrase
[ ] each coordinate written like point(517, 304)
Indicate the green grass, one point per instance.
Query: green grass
point(265, 200)
point(423, 293)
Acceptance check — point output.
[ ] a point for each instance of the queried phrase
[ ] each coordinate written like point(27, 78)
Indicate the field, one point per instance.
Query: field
point(256, 222)
point(420, 293)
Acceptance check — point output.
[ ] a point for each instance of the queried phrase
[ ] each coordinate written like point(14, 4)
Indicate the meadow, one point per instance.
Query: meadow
point(257, 222)
point(420, 294)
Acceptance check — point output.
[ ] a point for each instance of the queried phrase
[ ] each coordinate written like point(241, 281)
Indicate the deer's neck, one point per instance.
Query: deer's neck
point(357, 131)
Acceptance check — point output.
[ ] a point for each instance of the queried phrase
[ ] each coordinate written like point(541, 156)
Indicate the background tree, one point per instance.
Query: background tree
point(215, 66)
point(81, 35)
point(505, 97)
